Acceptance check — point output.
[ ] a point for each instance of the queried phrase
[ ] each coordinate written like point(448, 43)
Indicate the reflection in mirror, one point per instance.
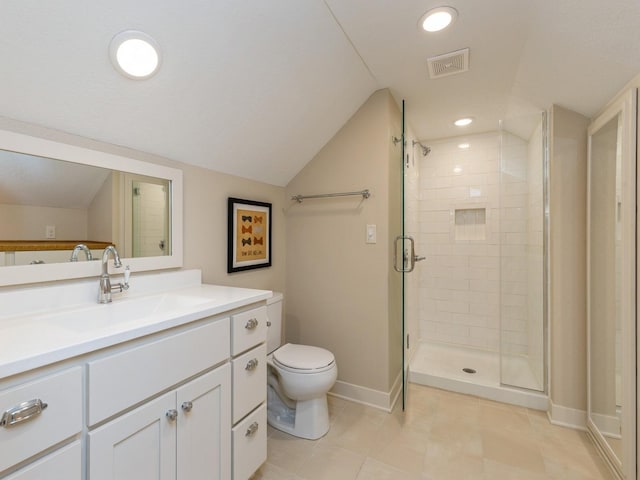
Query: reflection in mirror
point(56, 195)
point(611, 284)
point(49, 206)
point(605, 283)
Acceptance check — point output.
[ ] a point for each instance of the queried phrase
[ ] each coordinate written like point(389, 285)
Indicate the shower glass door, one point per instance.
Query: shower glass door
point(407, 247)
point(401, 264)
point(521, 244)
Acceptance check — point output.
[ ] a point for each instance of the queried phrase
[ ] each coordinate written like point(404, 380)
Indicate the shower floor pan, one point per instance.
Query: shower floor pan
point(441, 366)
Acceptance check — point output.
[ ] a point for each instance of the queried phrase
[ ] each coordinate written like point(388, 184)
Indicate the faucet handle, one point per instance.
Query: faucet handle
point(122, 286)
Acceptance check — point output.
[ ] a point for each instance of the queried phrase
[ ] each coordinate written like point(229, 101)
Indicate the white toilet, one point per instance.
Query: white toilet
point(298, 379)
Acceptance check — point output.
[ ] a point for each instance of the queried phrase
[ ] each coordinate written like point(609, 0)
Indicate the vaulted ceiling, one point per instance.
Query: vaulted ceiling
point(256, 87)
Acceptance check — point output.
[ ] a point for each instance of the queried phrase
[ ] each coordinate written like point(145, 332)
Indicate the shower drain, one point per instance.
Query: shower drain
point(468, 370)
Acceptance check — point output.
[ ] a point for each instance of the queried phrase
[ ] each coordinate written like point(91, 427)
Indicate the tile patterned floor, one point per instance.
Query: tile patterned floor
point(441, 436)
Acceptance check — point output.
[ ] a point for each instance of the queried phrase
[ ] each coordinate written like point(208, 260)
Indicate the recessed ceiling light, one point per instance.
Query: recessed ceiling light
point(457, 169)
point(463, 146)
point(135, 54)
point(463, 122)
point(437, 19)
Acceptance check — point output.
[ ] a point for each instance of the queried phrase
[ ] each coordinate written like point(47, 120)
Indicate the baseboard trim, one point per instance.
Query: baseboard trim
point(567, 417)
point(368, 396)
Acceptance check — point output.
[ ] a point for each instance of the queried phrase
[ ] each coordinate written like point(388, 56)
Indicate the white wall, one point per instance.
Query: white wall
point(24, 222)
point(567, 251)
point(343, 293)
point(100, 221)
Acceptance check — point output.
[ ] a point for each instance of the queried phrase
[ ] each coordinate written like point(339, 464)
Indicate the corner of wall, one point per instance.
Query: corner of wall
point(567, 258)
point(337, 284)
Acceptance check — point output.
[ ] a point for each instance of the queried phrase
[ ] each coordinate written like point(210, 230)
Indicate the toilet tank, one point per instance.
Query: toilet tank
point(274, 314)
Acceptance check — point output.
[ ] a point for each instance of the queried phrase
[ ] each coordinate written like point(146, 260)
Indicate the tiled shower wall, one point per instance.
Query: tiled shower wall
point(470, 218)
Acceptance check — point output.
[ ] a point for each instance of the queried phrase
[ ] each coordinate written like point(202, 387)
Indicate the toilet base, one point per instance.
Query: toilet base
point(310, 418)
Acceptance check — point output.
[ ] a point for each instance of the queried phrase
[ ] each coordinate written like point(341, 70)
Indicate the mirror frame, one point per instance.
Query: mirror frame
point(24, 274)
point(625, 105)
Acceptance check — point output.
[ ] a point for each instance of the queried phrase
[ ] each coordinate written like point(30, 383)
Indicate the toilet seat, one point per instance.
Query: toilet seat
point(303, 359)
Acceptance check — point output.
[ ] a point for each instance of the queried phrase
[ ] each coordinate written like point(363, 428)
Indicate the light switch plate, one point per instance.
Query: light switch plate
point(371, 234)
point(50, 232)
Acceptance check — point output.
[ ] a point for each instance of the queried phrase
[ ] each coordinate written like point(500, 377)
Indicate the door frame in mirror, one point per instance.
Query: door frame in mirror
point(24, 274)
point(624, 105)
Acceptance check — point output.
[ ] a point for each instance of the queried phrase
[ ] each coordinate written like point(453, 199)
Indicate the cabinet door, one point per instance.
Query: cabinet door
point(138, 445)
point(204, 427)
point(63, 464)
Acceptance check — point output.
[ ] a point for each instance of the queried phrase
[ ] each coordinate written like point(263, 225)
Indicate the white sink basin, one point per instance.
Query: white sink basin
point(121, 311)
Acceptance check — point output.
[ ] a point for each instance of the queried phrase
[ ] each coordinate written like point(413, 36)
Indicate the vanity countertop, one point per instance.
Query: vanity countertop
point(34, 340)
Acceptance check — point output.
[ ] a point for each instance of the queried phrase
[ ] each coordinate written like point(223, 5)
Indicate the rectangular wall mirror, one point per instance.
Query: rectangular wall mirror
point(611, 284)
point(54, 196)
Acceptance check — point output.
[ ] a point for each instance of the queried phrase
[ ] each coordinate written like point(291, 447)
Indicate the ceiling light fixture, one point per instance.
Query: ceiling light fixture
point(438, 19)
point(463, 122)
point(463, 146)
point(135, 54)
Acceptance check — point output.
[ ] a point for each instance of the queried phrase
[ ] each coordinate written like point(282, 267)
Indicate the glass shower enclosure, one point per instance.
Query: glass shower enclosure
point(480, 206)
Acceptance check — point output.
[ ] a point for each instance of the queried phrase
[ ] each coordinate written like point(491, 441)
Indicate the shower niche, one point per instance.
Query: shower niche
point(470, 224)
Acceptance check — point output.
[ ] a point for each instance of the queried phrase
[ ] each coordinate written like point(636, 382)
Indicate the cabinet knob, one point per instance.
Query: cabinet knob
point(251, 324)
point(172, 415)
point(187, 406)
point(252, 364)
point(253, 428)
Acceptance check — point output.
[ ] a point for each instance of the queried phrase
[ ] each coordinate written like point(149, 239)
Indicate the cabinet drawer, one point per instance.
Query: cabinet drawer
point(249, 381)
point(63, 464)
point(124, 379)
point(250, 444)
point(248, 329)
point(61, 419)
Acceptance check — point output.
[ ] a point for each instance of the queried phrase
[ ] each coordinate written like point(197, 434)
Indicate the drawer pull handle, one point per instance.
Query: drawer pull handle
point(253, 428)
point(172, 415)
point(252, 364)
point(187, 406)
point(251, 324)
point(22, 412)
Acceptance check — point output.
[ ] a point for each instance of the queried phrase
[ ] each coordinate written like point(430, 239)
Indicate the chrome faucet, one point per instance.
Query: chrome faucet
point(106, 288)
point(80, 247)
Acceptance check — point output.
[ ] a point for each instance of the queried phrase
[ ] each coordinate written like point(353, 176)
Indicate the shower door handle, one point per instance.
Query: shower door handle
point(409, 256)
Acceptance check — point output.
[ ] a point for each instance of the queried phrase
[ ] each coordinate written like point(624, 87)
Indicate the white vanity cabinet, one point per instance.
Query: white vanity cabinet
point(184, 435)
point(249, 365)
point(141, 389)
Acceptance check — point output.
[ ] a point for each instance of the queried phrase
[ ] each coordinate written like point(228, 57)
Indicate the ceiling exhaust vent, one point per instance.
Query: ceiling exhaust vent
point(448, 63)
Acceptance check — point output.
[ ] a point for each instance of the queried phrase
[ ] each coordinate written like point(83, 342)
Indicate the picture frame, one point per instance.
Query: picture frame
point(249, 235)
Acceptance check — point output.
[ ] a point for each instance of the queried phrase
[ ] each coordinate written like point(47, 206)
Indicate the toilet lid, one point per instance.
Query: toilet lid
point(303, 357)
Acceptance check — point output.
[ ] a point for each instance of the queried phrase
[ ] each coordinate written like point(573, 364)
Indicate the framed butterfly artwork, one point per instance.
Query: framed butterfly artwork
point(249, 235)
